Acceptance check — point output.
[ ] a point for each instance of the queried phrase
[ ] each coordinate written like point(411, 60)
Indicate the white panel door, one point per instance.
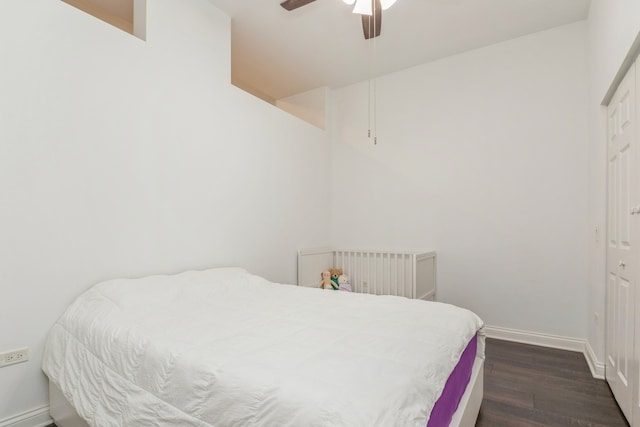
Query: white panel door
point(636, 375)
point(622, 245)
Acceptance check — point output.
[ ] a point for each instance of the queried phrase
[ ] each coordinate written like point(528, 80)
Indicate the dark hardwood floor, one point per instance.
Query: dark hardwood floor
point(526, 386)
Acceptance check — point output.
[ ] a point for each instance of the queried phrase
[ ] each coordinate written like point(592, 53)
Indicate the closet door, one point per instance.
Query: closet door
point(622, 245)
point(636, 375)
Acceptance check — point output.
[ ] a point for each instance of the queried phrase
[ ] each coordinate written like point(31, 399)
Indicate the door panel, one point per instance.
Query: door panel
point(636, 360)
point(612, 362)
point(624, 324)
point(624, 204)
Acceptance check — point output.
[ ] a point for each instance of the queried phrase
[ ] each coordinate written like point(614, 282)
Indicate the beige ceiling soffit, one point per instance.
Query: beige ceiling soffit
point(103, 14)
point(253, 91)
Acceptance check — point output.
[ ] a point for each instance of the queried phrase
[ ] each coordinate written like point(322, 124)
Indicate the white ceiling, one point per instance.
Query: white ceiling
point(277, 53)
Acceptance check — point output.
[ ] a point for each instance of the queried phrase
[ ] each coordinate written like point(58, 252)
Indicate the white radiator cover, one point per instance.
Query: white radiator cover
point(410, 274)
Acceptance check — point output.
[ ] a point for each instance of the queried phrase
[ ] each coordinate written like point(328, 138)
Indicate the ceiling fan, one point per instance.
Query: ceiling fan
point(371, 11)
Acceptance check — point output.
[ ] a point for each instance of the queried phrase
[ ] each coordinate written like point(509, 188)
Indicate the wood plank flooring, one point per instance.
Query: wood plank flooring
point(531, 386)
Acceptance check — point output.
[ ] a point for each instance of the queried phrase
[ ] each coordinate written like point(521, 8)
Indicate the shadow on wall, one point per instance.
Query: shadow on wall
point(309, 106)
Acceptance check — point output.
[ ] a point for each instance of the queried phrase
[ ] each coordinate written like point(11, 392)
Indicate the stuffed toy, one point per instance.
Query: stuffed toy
point(335, 273)
point(343, 283)
point(326, 282)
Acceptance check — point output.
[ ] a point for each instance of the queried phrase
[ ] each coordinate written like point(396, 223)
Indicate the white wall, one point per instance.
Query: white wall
point(120, 157)
point(482, 157)
point(613, 27)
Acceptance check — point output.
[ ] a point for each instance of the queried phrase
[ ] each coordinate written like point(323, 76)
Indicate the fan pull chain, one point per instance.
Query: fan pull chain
point(372, 101)
point(369, 103)
point(375, 77)
point(369, 93)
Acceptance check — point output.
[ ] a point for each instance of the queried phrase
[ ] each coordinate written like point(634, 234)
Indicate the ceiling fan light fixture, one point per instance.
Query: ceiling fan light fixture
point(386, 4)
point(349, 2)
point(363, 7)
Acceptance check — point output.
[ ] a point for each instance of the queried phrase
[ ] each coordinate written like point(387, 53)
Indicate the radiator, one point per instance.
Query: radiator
point(410, 274)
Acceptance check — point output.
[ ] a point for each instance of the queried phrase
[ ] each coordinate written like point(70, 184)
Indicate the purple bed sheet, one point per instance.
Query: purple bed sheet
point(454, 388)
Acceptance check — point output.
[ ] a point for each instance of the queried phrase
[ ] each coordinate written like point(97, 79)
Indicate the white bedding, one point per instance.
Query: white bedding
point(223, 347)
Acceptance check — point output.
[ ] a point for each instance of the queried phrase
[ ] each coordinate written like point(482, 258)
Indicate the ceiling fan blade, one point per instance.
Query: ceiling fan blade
point(294, 4)
point(371, 25)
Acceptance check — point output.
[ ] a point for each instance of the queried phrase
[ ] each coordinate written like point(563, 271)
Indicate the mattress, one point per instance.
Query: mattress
point(454, 388)
point(223, 347)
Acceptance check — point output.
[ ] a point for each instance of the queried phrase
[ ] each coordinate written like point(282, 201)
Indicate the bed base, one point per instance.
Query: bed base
point(469, 407)
point(64, 415)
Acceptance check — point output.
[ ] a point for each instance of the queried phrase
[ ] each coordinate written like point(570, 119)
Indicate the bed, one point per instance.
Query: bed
point(223, 347)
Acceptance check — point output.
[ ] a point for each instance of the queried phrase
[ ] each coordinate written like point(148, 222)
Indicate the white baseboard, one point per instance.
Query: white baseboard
point(38, 417)
point(597, 367)
point(551, 341)
point(535, 338)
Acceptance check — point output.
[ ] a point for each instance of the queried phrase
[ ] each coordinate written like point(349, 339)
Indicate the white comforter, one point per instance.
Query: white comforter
point(223, 347)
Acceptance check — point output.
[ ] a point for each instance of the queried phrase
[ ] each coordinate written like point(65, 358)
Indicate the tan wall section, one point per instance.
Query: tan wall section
point(119, 17)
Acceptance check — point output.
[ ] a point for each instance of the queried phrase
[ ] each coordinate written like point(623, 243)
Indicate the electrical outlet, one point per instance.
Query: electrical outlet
point(14, 356)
